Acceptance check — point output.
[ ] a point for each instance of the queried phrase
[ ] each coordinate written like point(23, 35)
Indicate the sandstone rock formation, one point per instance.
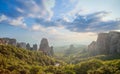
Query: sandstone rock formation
point(44, 47)
point(92, 48)
point(34, 46)
point(51, 51)
point(70, 49)
point(114, 42)
point(11, 41)
point(8, 41)
point(2, 41)
point(102, 44)
point(107, 43)
point(28, 46)
point(21, 45)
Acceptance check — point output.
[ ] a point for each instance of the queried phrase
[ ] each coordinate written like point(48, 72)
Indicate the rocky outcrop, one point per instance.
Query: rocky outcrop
point(8, 41)
point(44, 47)
point(34, 46)
point(12, 42)
point(92, 48)
point(28, 46)
point(21, 45)
point(107, 43)
point(71, 47)
point(118, 47)
point(102, 43)
point(114, 42)
point(70, 50)
point(51, 51)
point(31, 48)
point(2, 41)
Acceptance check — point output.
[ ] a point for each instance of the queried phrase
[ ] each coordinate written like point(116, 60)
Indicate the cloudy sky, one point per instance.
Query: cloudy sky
point(63, 22)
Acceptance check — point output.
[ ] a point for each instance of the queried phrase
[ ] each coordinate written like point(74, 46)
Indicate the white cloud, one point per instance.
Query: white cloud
point(42, 9)
point(35, 10)
point(49, 4)
point(59, 34)
point(66, 19)
point(3, 18)
point(38, 27)
point(14, 22)
point(77, 10)
point(20, 10)
point(18, 22)
point(48, 30)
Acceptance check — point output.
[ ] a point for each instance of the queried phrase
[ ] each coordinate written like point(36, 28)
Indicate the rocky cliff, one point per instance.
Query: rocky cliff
point(13, 42)
point(44, 47)
point(8, 41)
point(107, 43)
point(35, 46)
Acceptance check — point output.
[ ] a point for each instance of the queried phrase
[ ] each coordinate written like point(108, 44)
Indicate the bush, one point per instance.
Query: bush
point(83, 67)
point(69, 72)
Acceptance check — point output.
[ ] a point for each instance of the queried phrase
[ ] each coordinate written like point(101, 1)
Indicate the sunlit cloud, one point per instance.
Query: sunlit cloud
point(3, 18)
point(18, 22)
point(37, 27)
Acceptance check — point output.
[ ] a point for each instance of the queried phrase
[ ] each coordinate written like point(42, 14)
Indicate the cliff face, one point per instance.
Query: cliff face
point(35, 46)
point(44, 47)
point(92, 48)
point(21, 45)
point(107, 43)
point(102, 43)
point(13, 42)
point(114, 42)
point(2, 41)
point(8, 41)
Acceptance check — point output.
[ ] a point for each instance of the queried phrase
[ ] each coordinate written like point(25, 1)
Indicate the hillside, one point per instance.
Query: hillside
point(20, 61)
point(17, 59)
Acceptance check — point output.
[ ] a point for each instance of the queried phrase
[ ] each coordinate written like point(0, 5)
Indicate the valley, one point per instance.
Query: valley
point(78, 59)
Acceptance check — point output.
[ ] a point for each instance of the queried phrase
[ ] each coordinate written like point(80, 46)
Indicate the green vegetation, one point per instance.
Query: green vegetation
point(69, 54)
point(14, 59)
point(20, 61)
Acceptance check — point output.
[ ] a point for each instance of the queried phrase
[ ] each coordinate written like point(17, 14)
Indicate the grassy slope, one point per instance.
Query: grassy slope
point(20, 61)
point(17, 55)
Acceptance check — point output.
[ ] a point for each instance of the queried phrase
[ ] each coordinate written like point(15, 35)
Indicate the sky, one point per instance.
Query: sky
point(62, 22)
